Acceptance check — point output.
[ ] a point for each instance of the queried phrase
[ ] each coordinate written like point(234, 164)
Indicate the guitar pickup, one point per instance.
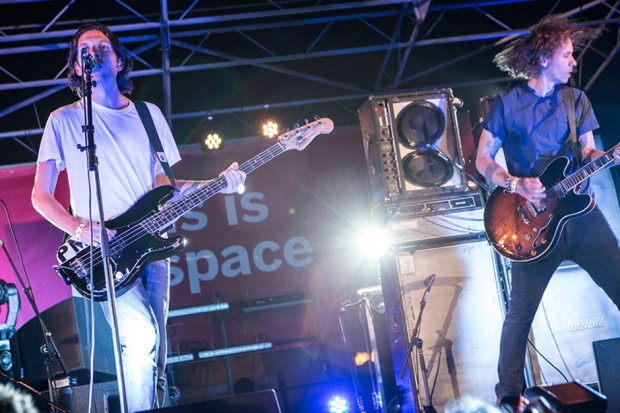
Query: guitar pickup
point(523, 214)
point(532, 208)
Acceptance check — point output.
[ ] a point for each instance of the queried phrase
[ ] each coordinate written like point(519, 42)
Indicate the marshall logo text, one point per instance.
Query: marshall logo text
point(570, 324)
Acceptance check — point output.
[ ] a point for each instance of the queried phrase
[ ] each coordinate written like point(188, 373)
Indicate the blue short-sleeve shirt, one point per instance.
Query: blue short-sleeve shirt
point(534, 130)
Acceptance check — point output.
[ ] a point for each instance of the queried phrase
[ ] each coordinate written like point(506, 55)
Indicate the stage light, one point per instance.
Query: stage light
point(338, 404)
point(213, 141)
point(374, 242)
point(361, 357)
point(270, 129)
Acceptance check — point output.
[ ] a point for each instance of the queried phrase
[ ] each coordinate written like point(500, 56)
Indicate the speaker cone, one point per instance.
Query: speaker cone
point(419, 125)
point(426, 168)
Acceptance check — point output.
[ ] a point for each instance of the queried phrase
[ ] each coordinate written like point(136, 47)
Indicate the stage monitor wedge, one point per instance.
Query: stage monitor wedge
point(70, 324)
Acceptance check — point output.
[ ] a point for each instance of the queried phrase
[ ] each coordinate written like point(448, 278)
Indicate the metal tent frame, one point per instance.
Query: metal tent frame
point(193, 57)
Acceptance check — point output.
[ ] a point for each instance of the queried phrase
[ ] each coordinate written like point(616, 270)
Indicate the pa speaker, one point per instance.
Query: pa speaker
point(571, 398)
point(606, 355)
point(70, 324)
point(459, 325)
point(412, 145)
point(258, 402)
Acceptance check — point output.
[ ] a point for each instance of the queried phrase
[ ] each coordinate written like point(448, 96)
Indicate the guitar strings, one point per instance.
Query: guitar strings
point(195, 197)
point(559, 189)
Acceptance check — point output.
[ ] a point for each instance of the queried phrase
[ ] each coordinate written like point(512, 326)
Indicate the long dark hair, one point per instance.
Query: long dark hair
point(521, 58)
point(122, 78)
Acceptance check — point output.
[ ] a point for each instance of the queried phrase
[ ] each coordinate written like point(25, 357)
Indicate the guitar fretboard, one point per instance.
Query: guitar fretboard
point(174, 210)
point(583, 173)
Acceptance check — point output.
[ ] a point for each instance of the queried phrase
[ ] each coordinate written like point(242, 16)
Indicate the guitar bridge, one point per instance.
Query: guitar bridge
point(79, 268)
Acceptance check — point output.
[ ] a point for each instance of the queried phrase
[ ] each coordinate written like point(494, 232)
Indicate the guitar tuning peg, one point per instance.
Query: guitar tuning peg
point(296, 125)
point(317, 117)
point(285, 130)
point(306, 120)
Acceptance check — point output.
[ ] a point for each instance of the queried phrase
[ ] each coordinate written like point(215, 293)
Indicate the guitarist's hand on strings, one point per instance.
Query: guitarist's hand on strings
point(531, 189)
point(83, 234)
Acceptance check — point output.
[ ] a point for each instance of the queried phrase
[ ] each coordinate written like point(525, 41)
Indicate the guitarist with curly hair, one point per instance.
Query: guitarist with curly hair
point(542, 212)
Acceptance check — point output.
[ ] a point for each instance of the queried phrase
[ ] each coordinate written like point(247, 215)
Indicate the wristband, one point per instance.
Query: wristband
point(78, 232)
point(513, 185)
point(507, 185)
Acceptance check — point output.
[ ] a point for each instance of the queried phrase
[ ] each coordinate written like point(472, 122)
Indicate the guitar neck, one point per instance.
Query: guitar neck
point(296, 139)
point(175, 210)
point(588, 170)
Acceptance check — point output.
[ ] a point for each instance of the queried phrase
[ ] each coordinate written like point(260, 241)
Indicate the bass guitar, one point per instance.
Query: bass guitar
point(138, 240)
point(525, 231)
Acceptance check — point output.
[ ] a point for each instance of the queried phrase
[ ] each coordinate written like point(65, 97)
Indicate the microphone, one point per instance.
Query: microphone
point(429, 281)
point(88, 60)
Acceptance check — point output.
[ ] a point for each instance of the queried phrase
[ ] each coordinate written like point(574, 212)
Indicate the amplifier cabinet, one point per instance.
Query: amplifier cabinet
point(460, 325)
point(411, 143)
point(573, 314)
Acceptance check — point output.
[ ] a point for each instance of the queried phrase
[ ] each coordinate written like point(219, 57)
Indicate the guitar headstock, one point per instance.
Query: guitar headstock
point(301, 137)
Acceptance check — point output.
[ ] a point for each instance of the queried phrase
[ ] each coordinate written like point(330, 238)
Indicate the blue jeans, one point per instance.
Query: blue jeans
point(589, 242)
point(142, 312)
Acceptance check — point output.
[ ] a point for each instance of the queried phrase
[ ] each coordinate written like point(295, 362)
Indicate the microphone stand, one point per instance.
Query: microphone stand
point(48, 349)
point(417, 343)
point(93, 167)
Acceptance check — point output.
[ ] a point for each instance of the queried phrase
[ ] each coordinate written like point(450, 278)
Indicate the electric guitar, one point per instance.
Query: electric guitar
point(138, 239)
point(525, 231)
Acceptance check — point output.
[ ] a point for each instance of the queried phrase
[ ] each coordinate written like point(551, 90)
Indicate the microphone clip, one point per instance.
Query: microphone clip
point(88, 61)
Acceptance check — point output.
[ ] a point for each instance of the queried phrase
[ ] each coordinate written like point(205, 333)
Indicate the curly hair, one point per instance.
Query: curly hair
point(521, 58)
point(122, 79)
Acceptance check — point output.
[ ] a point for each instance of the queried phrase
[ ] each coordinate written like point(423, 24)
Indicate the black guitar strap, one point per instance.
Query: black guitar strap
point(147, 121)
point(569, 102)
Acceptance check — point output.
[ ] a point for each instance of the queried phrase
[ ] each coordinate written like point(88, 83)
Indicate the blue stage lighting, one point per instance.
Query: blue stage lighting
point(338, 404)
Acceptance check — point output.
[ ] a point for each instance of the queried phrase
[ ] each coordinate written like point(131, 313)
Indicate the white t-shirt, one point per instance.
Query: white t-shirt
point(126, 160)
